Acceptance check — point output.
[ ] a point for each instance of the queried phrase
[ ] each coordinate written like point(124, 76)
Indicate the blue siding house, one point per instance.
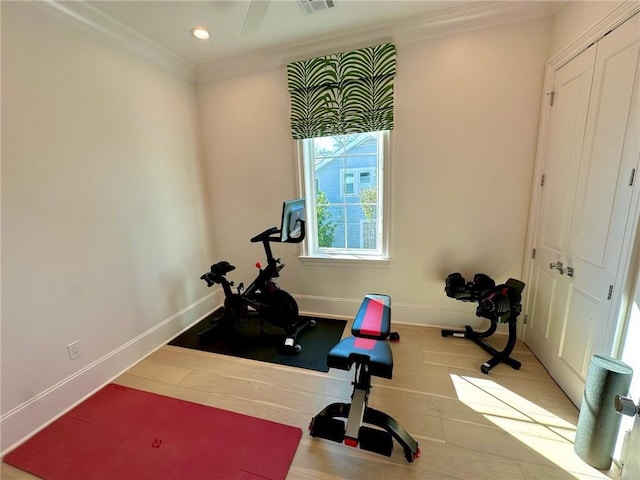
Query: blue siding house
point(348, 178)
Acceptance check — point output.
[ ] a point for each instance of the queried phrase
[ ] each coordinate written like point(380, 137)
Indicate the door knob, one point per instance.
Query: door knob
point(626, 406)
point(570, 271)
point(558, 266)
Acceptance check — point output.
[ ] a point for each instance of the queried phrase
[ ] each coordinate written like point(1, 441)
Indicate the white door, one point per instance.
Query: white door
point(581, 237)
point(568, 120)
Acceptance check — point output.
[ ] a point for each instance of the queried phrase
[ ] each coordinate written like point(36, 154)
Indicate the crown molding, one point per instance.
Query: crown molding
point(447, 21)
point(115, 33)
point(616, 17)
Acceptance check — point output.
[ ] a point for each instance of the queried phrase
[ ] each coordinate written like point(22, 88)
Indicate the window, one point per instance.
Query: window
point(343, 177)
point(353, 186)
point(348, 184)
point(365, 180)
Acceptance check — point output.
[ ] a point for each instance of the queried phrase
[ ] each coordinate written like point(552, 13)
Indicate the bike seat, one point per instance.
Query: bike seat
point(222, 268)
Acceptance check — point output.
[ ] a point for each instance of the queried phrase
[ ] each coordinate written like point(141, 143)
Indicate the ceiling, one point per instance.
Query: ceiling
point(282, 24)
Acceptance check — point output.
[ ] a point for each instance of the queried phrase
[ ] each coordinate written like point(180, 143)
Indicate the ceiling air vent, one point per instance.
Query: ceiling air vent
point(312, 6)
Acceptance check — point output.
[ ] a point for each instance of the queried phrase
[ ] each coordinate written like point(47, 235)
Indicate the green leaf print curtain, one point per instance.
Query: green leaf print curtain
point(348, 92)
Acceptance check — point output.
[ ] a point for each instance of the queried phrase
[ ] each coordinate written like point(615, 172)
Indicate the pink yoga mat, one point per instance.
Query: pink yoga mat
point(122, 433)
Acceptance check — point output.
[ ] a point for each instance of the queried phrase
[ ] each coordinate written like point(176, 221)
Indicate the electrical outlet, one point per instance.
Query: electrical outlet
point(74, 350)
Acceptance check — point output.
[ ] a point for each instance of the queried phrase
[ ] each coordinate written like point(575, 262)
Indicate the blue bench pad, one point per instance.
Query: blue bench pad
point(376, 354)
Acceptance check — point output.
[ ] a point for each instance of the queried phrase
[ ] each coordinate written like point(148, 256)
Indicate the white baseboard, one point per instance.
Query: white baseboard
point(402, 313)
point(43, 408)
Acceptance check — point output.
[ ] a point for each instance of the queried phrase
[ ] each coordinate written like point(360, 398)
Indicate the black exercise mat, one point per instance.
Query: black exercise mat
point(247, 342)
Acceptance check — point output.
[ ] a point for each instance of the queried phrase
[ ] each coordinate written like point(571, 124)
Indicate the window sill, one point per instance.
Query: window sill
point(345, 260)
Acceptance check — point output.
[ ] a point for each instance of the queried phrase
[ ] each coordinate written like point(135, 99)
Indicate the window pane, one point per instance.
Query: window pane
point(369, 233)
point(346, 173)
point(354, 215)
point(336, 225)
point(365, 180)
point(348, 183)
point(323, 146)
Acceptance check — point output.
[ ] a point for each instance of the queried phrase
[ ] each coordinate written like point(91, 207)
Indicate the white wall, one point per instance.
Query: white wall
point(104, 219)
point(631, 356)
point(467, 110)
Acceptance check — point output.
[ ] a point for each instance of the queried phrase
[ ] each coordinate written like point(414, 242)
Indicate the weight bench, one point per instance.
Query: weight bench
point(372, 356)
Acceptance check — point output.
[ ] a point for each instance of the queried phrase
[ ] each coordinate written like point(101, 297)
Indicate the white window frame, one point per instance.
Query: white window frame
point(307, 189)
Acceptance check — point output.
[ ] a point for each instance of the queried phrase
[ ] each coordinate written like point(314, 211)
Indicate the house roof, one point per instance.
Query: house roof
point(357, 140)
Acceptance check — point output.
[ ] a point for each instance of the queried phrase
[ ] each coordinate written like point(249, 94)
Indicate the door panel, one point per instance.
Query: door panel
point(613, 89)
point(568, 118)
point(568, 122)
point(594, 226)
point(541, 301)
point(602, 203)
point(578, 330)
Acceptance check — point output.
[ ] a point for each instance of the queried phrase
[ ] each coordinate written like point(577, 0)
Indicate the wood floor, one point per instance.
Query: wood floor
point(506, 425)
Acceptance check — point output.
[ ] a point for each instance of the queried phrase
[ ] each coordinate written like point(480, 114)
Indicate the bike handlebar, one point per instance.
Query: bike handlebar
point(267, 235)
point(207, 277)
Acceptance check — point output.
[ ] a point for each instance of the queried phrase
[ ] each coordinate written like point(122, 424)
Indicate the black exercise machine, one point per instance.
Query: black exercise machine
point(263, 298)
point(372, 356)
point(498, 303)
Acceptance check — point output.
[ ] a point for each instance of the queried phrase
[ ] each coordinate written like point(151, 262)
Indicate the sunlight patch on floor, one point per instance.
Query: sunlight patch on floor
point(545, 433)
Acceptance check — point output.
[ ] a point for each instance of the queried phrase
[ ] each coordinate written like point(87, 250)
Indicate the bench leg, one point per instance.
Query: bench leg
point(382, 420)
point(356, 415)
point(328, 424)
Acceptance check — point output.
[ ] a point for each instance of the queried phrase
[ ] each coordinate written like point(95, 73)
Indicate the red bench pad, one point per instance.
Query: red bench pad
point(374, 317)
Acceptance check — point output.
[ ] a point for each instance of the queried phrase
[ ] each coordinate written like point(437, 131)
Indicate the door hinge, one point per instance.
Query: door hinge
point(533, 253)
point(526, 319)
point(551, 95)
point(542, 180)
point(610, 292)
point(633, 177)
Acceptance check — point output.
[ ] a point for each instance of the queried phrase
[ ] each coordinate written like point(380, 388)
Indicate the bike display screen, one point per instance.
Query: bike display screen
point(293, 211)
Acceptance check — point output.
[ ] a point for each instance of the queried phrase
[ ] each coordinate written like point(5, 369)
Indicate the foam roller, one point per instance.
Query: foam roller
point(598, 422)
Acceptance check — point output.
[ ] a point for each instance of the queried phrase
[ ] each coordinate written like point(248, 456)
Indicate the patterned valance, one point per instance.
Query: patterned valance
point(348, 92)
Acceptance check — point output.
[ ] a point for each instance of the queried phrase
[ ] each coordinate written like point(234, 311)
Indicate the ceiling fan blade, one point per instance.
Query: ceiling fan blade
point(255, 15)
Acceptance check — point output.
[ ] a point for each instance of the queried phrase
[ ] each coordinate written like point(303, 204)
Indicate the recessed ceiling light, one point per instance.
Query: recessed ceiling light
point(200, 33)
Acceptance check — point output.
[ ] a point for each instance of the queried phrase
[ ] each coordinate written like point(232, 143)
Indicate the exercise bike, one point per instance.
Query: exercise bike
point(263, 298)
